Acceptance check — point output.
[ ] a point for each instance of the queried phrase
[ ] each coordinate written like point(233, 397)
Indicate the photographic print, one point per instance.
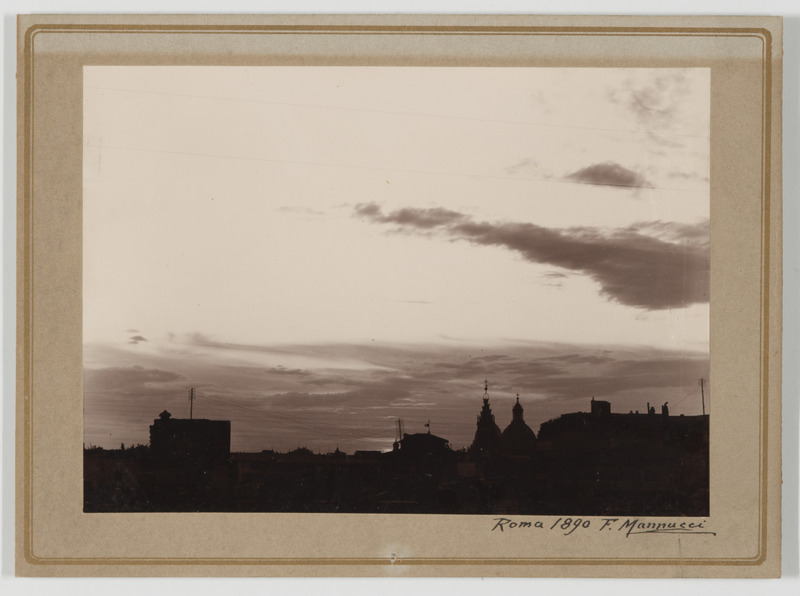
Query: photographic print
point(396, 290)
point(398, 296)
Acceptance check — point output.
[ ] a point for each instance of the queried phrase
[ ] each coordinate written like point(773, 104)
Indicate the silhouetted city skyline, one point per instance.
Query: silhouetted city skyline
point(588, 463)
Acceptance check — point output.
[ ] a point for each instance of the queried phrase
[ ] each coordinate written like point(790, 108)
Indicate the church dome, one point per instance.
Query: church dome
point(518, 438)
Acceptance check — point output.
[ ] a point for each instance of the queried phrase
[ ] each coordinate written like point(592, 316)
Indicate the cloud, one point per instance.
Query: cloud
point(554, 279)
point(522, 165)
point(609, 174)
point(668, 231)
point(658, 104)
point(650, 102)
point(137, 339)
point(665, 142)
point(418, 218)
point(691, 176)
point(634, 266)
point(302, 211)
point(132, 378)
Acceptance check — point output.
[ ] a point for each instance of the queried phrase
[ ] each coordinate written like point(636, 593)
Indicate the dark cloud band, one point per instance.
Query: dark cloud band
point(652, 266)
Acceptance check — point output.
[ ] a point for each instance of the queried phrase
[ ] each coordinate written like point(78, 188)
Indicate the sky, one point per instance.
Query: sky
point(320, 251)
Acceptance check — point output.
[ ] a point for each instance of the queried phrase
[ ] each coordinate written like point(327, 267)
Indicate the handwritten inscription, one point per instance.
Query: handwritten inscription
point(626, 526)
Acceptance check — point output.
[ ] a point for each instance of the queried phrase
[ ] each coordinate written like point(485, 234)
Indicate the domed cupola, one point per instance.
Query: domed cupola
point(518, 438)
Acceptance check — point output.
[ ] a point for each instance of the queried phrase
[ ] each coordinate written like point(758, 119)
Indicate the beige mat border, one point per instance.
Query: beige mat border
point(25, 282)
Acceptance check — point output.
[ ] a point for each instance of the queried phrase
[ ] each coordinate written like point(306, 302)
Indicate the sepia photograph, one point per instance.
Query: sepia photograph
point(403, 296)
point(396, 289)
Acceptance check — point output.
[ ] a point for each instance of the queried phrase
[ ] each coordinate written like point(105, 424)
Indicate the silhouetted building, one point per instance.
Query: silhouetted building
point(518, 437)
point(423, 445)
point(601, 425)
point(488, 438)
point(196, 443)
point(602, 462)
point(600, 408)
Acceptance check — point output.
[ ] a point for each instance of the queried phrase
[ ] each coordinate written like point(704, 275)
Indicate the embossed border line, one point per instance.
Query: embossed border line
point(25, 350)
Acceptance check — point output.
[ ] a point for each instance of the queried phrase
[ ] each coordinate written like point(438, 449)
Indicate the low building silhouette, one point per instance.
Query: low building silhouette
point(600, 408)
point(422, 445)
point(643, 464)
point(194, 442)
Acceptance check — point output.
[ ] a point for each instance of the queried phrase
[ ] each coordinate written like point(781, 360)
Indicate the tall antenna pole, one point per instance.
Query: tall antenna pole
point(191, 402)
point(702, 396)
